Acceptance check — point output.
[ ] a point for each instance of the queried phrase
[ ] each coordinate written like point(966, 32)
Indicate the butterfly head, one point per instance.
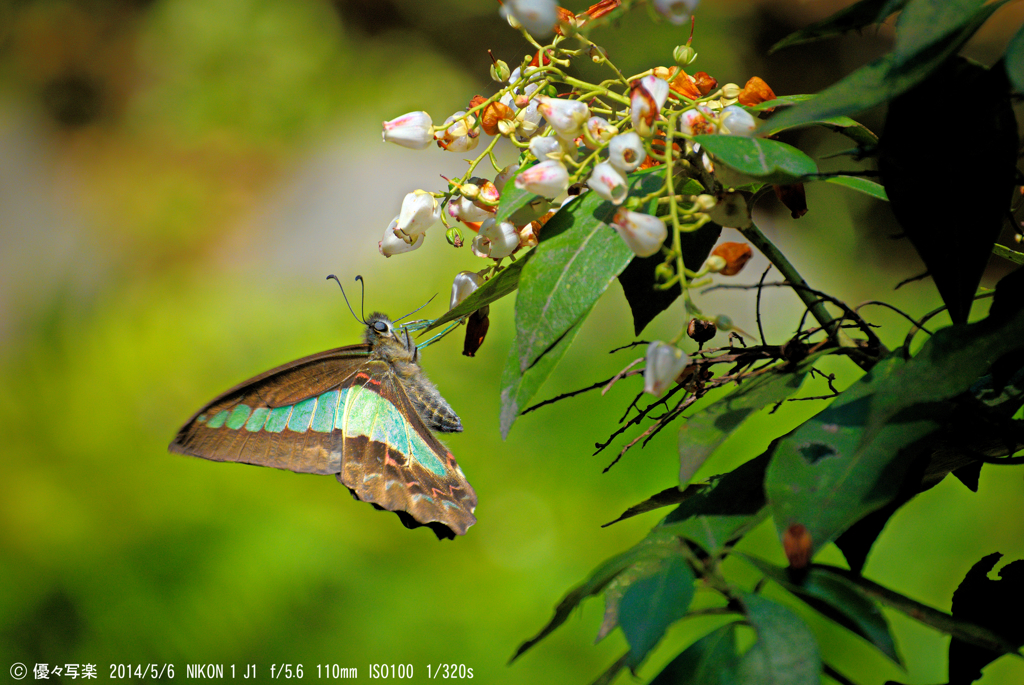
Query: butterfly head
point(389, 341)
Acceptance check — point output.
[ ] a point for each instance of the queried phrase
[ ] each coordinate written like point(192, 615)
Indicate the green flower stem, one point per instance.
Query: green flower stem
point(673, 212)
point(789, 272)
point(483, 155)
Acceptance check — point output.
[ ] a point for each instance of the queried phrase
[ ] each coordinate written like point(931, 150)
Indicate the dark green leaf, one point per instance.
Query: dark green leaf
point(711, 660)
point(779, 101)
point(518, 387)
point(651, 604)
point(838, 599)
point(637, 279)
point(785, 652)
point(939, 620)
point(879, 81)
point(496, 288)
point(851, 458)
point(862, 185)
point(617, 588)
point(656, 545)
point(766, 160)
point(578, 257)
point(665, 498)
point(954, 250)
point(701, 434)
point(852, 18)
point(994, 604)
point(926, 22)
point(854, 130)
point(1013, 60)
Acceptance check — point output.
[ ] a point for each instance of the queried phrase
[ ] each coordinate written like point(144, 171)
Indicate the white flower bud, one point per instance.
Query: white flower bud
point(646, 99)
point(496, 240)
point(737, 121)
point(731, 91)
point(663, 364)
point(600, 132)
point(464, 209)
point(538, 17)
point(606, 181)
point(547, 147)
point(626, 151)
point(504, 175)
point(566, 117)
point(420, 211)
point(410, 130)
point(547, 179)
point(463, 286)
point(705, 202)
point(528, 121)
point(643, 233)
point(392, 244)
point(676, 11)
point(460, 136)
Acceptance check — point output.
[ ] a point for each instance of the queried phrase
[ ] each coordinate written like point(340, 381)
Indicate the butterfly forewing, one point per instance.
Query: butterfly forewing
point(338, 412)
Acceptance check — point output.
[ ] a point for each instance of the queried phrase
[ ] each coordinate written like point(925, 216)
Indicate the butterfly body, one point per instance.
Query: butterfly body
point(362, 412)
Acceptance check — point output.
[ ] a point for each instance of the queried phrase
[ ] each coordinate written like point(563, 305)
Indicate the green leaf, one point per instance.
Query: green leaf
point(656, 545)
point(650, 605)
point(1013, 60)
point(711, 660)
point(850, 459)
point(729, 505)
point(881, 80)
point(617, 588)
point(766, 160)
point(496, 288)
point(854, 130)
point(665, 498)
point(929, 616)
point(785, 652)
point(926, 22)
point(839, 600)
point(513, 199)
point(852, 18)
point(861, 185)
point(702, 433)
point(518, 387)
point(578, 257)
point(955, 251)
point(779, 101)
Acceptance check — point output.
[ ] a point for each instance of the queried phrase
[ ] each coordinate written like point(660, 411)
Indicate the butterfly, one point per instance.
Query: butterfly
point(362, 412)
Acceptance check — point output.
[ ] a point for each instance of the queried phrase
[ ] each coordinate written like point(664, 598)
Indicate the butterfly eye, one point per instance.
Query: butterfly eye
point(380, 327)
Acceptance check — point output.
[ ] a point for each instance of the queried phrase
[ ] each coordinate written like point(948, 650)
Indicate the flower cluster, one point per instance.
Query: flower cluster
point(577, 137)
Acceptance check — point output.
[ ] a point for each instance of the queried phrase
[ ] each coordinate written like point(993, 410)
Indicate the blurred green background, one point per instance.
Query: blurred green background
point(177, 177)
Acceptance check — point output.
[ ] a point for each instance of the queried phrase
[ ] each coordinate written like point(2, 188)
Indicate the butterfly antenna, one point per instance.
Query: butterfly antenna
point(359, 278)
point(362, 301)
point(417, 309)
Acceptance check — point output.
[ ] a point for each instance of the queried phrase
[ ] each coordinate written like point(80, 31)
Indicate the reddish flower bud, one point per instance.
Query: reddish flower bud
point(685, 85)
point(793, 197)
point(602, 8)
point(797, 544)
point(492, 116)
point(736, 255)
point(705, 83)
point(755, 92)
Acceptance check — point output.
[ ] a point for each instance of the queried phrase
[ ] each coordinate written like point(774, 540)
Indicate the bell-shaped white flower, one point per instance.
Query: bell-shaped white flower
point(504, 175)
point(463, 286)
point(599, 131)
point(626, 151)
point(412, 130)
point(529, 122)
point(548, 147)
point(392, 244)
point(643, 233)
point(496, 240)
point(461, 135)
point(737, 121)
point(547, 179)
point(566, 117)
point(420, 211)
point(676, 11)
point(646, 97)
point(538, 17)
point(606, 181)
point(465, 209)
point(662, 365)
point(695, 122)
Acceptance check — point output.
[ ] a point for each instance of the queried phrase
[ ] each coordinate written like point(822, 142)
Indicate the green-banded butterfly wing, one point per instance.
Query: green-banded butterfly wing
point(341, 412)
point(393, 460)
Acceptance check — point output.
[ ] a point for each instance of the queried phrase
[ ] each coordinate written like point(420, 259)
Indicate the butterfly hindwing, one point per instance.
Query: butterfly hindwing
point(339, 412)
